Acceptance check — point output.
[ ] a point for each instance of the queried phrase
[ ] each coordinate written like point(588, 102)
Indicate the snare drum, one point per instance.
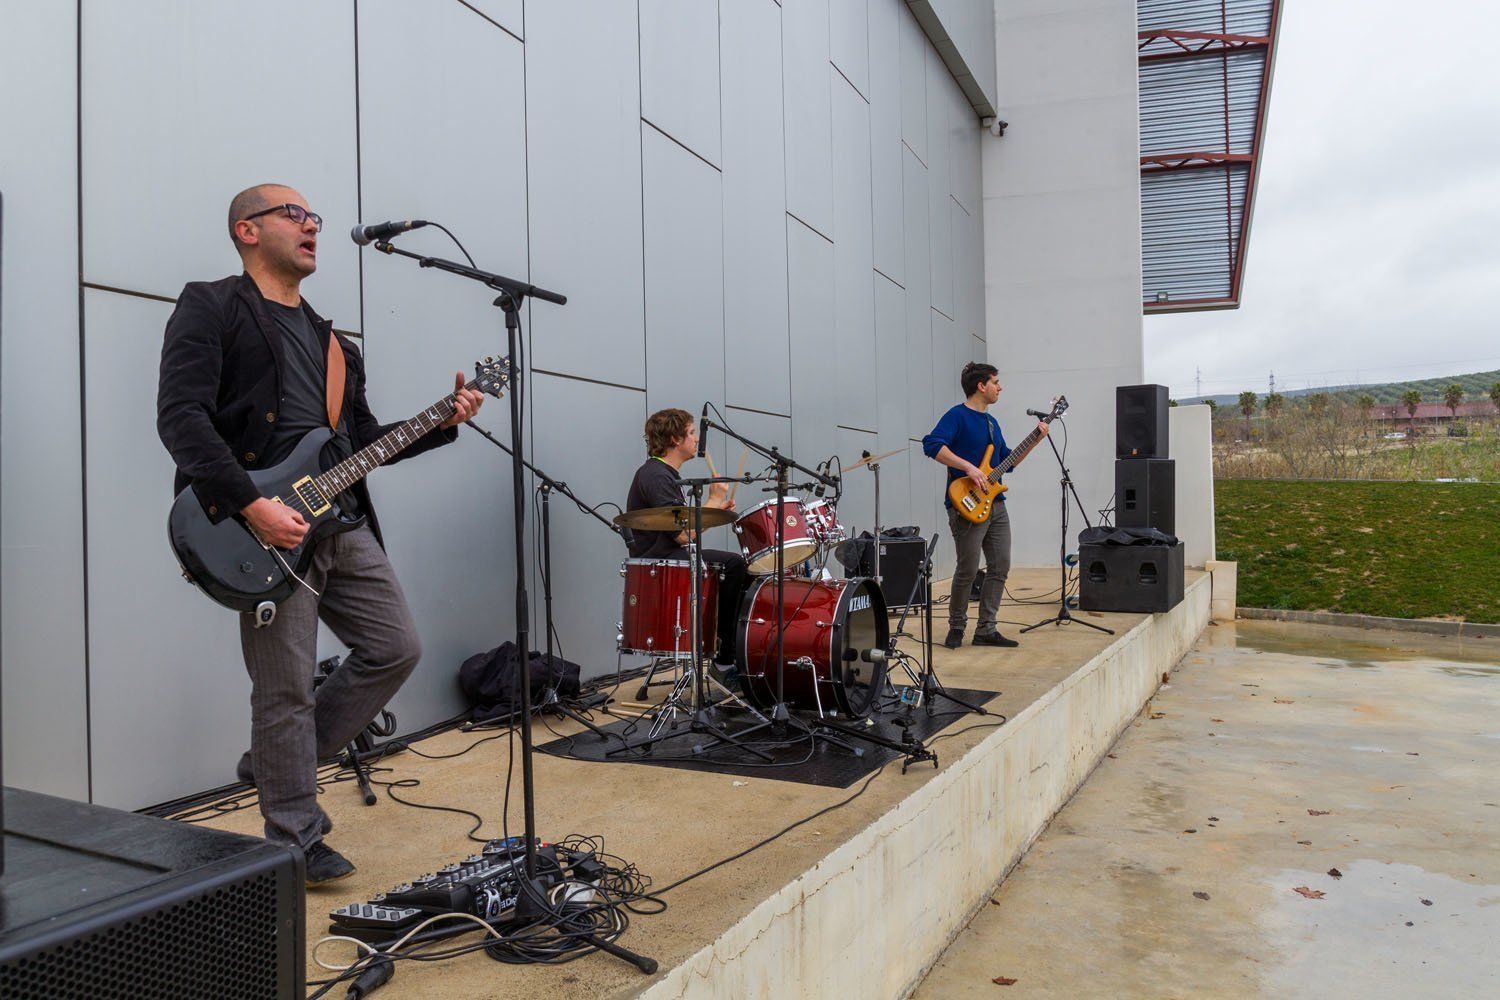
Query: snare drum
point(655, 613)
point(823, 522)
point(756, 533)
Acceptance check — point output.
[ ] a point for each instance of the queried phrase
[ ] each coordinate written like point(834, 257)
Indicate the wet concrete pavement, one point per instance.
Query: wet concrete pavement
point(1361, 768)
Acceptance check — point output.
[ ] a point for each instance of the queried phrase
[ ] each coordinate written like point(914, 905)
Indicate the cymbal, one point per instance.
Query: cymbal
point(872, 459)
point(674, 518)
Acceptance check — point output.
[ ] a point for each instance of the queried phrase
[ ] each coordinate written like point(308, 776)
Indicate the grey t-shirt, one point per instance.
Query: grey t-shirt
point(304, 404)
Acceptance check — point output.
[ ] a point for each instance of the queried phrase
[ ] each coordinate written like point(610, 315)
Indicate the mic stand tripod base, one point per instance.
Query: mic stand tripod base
point(912, 749)
point(1063, 617)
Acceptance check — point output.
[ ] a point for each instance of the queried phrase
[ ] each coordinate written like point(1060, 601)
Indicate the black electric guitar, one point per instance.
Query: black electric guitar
point(234, 568)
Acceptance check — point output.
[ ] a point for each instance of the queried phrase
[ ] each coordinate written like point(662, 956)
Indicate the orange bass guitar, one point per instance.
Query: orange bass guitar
point(973, 504)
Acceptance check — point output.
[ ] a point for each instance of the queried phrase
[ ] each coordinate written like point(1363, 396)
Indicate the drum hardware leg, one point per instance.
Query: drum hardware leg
point(730, 696)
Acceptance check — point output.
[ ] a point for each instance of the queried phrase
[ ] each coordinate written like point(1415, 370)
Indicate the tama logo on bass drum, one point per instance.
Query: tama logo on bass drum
point(859, 602)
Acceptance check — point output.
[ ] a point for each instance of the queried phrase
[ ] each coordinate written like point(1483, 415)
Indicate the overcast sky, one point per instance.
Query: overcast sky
point(1374, 251)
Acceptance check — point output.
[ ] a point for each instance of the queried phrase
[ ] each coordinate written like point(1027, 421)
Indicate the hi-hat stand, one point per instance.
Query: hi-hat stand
point(926, 681)
point(1064, 615)
point(552, 701)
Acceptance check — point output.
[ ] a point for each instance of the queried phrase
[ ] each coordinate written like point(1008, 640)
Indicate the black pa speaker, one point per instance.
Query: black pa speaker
point(108, 905)
point(1129, 577)
point(1141, 421)
point(900, 567)
point(1146, 494)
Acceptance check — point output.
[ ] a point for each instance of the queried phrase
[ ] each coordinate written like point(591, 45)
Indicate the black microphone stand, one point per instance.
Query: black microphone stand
point(552, 701)
point(927, 683)
point(1063, 615)
point(512, 293)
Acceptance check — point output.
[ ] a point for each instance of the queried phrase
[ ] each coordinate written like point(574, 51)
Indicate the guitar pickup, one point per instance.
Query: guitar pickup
point(312, 498)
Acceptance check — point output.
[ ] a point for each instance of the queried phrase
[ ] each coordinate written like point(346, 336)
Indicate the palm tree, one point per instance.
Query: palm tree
point(1247, 407)
point(1213, 405)
point(1411, 399)
point(1275, 402)
point(1452, 396)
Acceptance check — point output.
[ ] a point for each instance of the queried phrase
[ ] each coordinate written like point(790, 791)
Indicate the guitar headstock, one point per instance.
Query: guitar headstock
point(492, 376)
point(1059, 407)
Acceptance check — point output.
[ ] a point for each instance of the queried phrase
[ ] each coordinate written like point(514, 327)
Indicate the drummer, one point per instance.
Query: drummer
point(671, 439)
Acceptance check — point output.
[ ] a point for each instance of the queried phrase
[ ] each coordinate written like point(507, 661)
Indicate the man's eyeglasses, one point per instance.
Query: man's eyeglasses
point(296, 213)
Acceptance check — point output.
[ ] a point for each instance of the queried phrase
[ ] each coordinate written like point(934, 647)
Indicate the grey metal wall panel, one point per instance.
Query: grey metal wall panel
point(422, 326)
point(848, 41)
point(885, 135)
point(165, 138)
point(891, 364)
point(945, 366)
point(506, 13)
point(964, 135)
point(168, 690)
point(853, 246)
point(584, 189)
point(680, 72)
point(968, 308)
point(41, 538)
point(918, 295)
point(914, 55)
point(939, 184)
point(586, 555)
point(814, 408)
point(683, 199)
point(756, 348)
point(809, 145)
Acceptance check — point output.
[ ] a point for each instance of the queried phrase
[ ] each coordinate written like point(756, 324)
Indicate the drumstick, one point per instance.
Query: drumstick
point(711, 470)
point(739, 475)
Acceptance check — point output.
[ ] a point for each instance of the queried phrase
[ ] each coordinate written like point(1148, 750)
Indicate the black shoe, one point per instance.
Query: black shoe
point(324, 864)
point(994, 639)
point(955, 638)
point(242, 769)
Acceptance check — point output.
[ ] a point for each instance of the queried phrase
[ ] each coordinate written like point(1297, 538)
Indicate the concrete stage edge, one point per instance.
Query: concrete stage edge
point(933, 859)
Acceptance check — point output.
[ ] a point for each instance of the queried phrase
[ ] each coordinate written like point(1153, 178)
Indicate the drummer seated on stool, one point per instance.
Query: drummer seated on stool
point(672, 439)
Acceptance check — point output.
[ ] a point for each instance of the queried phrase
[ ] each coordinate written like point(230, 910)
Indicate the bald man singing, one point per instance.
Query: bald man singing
point(243, 377)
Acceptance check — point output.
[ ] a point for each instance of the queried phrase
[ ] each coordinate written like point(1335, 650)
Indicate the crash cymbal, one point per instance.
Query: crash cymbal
point(674, 518)
point(872, 459)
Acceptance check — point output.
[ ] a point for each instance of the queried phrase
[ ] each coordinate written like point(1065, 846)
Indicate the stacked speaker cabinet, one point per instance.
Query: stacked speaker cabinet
point(1139, 577)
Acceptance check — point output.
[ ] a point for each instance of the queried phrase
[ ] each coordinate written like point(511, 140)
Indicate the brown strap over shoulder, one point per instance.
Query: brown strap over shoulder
point(335, 391)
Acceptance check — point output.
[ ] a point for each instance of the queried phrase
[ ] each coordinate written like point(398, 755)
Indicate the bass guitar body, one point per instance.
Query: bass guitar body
point(973, 504)
point(227, 562)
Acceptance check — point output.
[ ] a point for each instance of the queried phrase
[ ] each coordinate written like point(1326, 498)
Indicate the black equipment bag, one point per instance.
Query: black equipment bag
point(491, 682)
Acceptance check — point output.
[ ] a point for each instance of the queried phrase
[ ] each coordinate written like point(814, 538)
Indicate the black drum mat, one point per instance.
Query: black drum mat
point(798, 758)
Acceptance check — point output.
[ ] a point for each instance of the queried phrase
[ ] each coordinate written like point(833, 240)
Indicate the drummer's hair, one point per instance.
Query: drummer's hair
point(664, 427)
point(975, 374)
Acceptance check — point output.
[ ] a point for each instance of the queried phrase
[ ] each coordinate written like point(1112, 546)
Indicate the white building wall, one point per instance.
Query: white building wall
point(774, 207)
point(1062, 245)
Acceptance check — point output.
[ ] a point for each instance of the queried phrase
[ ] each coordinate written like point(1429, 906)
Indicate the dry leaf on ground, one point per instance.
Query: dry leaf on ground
point(1282, 701)
point(1303, 890)
point(1200, 895)
point(1335, 873)
point(1319, 812)
point(1158, 715)
point(1003, 981)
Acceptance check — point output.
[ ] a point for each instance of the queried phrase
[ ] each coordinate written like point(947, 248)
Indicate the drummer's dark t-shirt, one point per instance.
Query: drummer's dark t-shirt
point(656, 484)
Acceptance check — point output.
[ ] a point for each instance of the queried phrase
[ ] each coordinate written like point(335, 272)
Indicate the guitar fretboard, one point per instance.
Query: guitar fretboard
point(393, 442)
point(1019, 452)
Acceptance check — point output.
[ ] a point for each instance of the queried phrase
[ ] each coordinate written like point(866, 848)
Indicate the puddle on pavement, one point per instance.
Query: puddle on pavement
point(1372, 934)
point(1342, 647)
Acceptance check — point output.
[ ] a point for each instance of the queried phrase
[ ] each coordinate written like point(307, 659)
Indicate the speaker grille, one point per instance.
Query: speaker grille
point(222, 944)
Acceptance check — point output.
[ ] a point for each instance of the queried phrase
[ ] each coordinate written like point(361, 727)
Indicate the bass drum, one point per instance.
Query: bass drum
point(829, 623)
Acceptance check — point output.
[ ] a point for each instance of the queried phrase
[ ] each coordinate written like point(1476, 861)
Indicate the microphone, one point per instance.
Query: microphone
point(868, 655)
point(1038, 414)
point(703, 430)
point(626, 535)
point(365, 235)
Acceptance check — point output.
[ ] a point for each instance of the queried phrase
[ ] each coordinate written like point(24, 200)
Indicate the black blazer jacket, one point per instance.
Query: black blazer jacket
point(220, 388)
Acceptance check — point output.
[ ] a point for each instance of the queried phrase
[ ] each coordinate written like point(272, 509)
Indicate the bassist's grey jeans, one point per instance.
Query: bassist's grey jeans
point(291, 727)
point(993, 539)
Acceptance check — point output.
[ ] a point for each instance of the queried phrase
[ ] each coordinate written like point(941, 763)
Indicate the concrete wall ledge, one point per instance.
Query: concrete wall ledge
point(1431, 626)
point(872, 916)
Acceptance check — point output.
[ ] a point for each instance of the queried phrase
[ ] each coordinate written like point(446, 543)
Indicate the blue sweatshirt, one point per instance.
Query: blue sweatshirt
point(966, 432)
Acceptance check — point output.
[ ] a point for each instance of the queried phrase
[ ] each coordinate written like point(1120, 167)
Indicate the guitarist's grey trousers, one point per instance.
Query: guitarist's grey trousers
point(992, 538)
point(291, 726)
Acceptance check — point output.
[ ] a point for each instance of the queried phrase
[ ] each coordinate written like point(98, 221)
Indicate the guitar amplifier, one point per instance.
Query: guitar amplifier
point(900, 567)
point(102, 904)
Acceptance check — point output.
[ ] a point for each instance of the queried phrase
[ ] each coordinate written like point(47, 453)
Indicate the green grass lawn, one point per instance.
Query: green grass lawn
point(1407, 550)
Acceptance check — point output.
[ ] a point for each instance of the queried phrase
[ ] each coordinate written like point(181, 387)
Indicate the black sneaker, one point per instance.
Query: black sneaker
point(993, 639)
point(955, 638)
point(324, 864)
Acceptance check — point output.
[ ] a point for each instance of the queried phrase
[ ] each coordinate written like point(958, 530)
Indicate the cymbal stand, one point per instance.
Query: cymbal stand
point(702, 718)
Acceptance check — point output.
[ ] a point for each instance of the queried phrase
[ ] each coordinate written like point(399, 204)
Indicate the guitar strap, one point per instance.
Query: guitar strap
point(335, 389)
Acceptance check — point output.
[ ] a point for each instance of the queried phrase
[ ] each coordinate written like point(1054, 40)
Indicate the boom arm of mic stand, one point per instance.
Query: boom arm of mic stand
point(772, 453)
point(552, 484)
point(499, 282)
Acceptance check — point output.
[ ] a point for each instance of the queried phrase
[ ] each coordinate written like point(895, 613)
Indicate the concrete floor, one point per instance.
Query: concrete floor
point(669, 822)
point(1277, 754)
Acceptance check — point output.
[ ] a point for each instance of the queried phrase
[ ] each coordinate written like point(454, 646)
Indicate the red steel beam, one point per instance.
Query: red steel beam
point(1159, 162)
point(1196, 43)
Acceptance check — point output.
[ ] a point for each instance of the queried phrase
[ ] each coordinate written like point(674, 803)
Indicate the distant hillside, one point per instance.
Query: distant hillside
point(1476, 386)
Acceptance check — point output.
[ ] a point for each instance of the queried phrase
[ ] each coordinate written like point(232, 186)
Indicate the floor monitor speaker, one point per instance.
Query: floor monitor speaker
point(1129, 577)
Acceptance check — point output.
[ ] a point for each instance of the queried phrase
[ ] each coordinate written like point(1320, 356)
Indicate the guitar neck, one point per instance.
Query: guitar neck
point(1019, 452)
point(383, 449)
